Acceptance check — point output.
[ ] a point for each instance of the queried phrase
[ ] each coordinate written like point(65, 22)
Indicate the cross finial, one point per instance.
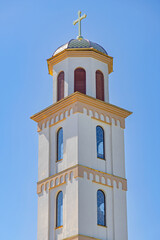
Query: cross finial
point(79, 24)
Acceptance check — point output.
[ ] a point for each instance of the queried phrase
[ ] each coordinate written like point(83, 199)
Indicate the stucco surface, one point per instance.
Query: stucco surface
point(79, 202)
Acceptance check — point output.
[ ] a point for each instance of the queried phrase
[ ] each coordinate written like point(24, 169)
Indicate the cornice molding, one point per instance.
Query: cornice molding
point(83, 52)
point(78, 102)
point(60, 178)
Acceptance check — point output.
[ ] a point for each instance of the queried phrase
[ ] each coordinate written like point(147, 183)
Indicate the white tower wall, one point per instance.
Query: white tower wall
point(80, 194)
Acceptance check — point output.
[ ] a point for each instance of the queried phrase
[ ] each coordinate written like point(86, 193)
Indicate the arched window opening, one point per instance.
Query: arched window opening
point(100, 142)
point(101, 208)
point(60, 86)
point(80, 80)
point(59, 209)
point(60, 144)
point(99, 85)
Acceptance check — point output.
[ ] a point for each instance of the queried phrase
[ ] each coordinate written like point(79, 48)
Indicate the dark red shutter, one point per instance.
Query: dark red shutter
point(80, 80)
point(99, 85)
point(60, 86)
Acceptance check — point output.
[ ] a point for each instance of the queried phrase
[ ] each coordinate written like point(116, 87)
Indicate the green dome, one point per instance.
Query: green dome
point(83, 43)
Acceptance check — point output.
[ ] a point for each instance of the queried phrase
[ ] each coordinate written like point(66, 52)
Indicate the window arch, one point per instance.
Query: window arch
point(60, 86)
point(99, 85)
point(60, 144)
point(80, 80)
point(59, 209)
point(100, 142)
point(101, 208)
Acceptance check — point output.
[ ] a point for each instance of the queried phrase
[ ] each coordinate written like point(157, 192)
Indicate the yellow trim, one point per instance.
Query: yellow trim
point(79, 97)
point(57, 122)
point(45, 179)
point(82, 52)
point(78, 171)
point(100, 171)
point(100, 120)
point(106, 185)
point(57, 186)
point(77, 165)
point(57, 174)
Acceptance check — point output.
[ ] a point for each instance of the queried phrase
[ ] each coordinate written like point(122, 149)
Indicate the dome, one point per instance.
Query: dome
point(83, 43)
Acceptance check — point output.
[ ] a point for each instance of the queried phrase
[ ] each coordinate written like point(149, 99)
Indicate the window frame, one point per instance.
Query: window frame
point(57, 224)
point(104, 198)
point(58, 85)
point(59, 129)
point(103, 158)
point(103, 83)
point(75, 80)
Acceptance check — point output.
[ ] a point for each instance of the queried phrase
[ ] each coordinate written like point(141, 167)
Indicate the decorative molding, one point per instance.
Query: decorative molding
point(101, 120)
point(60, 178)
point(83, 52)
point(80, 237)
point(78, 102)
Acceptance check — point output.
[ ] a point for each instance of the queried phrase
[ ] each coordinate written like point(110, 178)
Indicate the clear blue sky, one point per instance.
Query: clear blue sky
point(30, 31)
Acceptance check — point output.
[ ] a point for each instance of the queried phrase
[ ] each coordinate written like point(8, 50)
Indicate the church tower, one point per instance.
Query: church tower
point(81, 165)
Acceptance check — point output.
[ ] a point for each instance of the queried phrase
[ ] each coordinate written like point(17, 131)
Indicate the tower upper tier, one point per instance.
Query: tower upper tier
point(80, 65)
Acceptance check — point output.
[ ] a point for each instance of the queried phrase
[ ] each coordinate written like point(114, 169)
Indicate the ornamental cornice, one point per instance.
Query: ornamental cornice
point(83, 52)
point(78, 102)
point(76, 171)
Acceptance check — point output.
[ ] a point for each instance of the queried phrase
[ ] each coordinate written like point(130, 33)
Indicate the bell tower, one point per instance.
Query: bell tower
point(81, 164)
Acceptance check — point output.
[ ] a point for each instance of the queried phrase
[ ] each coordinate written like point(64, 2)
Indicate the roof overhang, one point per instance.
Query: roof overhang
point(80, 52)
point(83, 101)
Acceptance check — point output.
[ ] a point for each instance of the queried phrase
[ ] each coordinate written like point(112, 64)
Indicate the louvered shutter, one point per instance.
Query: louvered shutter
point(60, 86)
point(99, 85)
point(80, 80)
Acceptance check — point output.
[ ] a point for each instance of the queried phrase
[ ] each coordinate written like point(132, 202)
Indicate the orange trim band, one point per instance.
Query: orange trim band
point(83, 52)
point(60, 178)
point(78, 97)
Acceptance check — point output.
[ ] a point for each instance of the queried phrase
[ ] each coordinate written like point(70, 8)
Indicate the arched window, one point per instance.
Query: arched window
point(60, 144)
point(59, 209)
point(60, 86)
point(80, 80)
point(101, 208)
point(99, 85)
point(100, 142)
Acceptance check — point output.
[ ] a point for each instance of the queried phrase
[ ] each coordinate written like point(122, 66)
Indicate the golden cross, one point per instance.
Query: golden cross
point(79, 23)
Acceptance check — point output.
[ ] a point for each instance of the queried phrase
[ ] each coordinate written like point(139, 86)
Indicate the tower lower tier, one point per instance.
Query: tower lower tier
point(78, 215)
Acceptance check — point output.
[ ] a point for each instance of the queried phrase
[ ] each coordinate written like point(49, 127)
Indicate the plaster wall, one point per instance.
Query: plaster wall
point(116, 217)
point(43, 154)
point(118, 151)
point(87, 210)
point(120, 214)
point(80, 211)
point(90, 65)
point(114, 162)
point(43, 216)
point(87, 145)
point(80, 147)
point(80, 194)
point(70, 144)
point(70, 210)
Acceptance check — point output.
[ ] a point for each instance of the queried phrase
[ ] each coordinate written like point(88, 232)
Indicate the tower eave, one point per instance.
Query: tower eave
point(80, 52)
point(78, 101)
